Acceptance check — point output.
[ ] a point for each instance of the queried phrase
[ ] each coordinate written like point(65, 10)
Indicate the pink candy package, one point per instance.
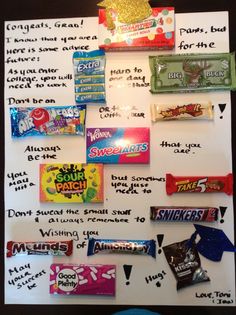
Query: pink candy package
point(118, 145)
point(71, 279)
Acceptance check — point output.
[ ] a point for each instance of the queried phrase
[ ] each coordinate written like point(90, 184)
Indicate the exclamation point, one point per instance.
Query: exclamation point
point(222, 213)
point(127, 270)
point(222, 108)
point(160, 238)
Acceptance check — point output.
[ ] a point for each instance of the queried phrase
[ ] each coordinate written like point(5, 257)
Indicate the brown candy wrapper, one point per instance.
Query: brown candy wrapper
point(129, 11)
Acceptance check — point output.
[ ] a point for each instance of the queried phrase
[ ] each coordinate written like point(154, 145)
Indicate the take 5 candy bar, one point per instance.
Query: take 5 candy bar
point(199, 184)
point(118, 145)
point(81, 279)
point(71, 182)
point(183, 214)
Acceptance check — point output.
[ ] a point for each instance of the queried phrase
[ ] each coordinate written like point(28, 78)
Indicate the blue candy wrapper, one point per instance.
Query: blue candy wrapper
point(140, 247)
point(47, 121)
point(89, 73)
point(93, 79)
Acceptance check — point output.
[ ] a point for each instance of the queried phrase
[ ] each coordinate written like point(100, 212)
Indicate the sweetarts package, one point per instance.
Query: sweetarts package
point(156, 32)
point(71, 182)
point(81, 279)
point(89, 74)
point(118, 145)
point(47, 121)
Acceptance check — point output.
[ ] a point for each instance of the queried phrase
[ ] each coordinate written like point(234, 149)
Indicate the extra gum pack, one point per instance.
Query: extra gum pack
point(156, 32)
point(71, 182)
point(118, 145)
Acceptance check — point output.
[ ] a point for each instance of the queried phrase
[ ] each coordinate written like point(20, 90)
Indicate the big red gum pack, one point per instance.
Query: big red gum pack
point(157, 32)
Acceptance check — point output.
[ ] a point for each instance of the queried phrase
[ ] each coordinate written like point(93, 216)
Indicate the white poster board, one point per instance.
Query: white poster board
point(39, 72)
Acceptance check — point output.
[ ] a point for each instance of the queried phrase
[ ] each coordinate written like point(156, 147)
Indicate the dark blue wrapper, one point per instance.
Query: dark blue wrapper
point(140, 247)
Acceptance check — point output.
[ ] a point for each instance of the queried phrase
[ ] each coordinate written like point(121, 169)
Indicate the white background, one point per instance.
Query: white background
point(212, 158)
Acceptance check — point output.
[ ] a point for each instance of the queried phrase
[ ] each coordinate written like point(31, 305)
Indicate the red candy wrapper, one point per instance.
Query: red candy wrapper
point(57, 248)
point(179, 184)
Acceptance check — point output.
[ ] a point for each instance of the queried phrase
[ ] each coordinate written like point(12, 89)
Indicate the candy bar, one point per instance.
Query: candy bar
point(162, 112)
point(89, 73)
point(193, 72)
point(118, 145)
point(185, 263)
point(47, 121)
point(155, 32)
point(206, 214)
point(72, 182)
point(57, 248)
point(202, 184)
point(81, 279)
point(141, 247)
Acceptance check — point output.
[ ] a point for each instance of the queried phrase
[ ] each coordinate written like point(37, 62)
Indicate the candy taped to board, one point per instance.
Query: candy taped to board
point(199, 184)
point(47, 121)
point(156, 32)
point(56, 248)
point(163, 112)
point(89, 73)
point(118, 145)
point(139, 247)
point(185, 263)
point(193, 72)
point(183, 214)
point(71, 182)
point(83, 279)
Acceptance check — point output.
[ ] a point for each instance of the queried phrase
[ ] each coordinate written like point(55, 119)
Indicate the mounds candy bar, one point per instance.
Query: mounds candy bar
point(202, 184)
point(155, 32)
point(193, 72)
point(186, 214)
point(118, 145)
point(57, 248)
point(71, 182)
point(81, 279)
point(89, 74)
point(162, 112)
point(185, 263)
point(140, 247)
point(47, 121)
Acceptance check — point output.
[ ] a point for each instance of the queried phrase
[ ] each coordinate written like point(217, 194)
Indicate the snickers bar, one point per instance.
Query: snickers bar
point(184, 214)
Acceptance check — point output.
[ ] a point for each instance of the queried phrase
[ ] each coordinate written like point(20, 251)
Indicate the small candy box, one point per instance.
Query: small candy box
point(72, 182)
point(118, 145)
point(70, 279)
point(156, 32)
